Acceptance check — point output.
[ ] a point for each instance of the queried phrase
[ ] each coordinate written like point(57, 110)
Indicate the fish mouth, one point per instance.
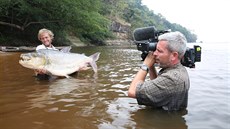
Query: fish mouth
point(25, 58)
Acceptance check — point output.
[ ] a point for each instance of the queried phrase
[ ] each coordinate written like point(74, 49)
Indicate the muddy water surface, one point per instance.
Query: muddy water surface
point(89, 100)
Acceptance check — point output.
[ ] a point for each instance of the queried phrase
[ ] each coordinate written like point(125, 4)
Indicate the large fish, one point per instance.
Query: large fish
point(58, 63)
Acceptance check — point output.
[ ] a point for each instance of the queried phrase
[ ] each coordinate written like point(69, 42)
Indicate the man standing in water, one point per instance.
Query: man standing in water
point(169, 89)
point(46, 37)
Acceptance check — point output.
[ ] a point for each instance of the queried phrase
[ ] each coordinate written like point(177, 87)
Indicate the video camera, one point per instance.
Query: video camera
point(146, 39)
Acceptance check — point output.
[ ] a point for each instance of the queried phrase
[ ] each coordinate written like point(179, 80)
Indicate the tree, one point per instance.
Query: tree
point(23, 18)
point(88, 19)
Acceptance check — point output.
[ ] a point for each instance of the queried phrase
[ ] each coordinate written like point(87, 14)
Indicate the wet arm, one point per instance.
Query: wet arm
point(139, 78)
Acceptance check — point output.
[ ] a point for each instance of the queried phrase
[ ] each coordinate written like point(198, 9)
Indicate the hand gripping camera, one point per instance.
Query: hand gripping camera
point(146, 39)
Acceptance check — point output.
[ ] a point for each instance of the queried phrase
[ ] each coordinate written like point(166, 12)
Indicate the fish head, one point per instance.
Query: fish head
point(33, 60)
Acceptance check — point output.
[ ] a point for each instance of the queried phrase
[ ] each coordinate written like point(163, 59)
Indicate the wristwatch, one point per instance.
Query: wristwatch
point(144, 67)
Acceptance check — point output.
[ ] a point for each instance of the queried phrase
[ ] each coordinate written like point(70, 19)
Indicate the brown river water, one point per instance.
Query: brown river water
point(91, 101)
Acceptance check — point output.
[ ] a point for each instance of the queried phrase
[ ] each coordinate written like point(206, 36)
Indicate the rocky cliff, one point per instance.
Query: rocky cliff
point(122, 33)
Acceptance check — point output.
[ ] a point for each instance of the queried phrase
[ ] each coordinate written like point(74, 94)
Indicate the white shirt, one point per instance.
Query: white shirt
point(44, 47)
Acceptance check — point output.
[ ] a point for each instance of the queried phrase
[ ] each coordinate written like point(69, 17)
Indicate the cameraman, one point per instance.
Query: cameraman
point(169, 89)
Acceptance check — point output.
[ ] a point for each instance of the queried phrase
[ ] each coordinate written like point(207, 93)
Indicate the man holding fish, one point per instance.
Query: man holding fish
point(48, 61)
point(46, 37)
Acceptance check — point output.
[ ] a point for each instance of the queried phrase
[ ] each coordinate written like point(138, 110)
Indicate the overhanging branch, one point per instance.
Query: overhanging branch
point(11, 25)
point(23, 27)
point(40, 22)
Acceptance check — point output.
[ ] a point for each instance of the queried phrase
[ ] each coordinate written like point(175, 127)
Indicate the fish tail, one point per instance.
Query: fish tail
point(94, 57)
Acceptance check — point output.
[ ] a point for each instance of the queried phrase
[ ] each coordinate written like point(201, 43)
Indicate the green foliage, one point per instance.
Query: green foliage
point(25, 17)
point(140, 16)
point(189, 36)
point(87, 19)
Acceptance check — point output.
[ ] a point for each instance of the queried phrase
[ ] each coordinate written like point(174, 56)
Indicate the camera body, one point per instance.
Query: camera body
point(146, 39)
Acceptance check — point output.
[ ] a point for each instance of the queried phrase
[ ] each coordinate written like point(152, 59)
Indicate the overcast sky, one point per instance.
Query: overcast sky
point(209, 19)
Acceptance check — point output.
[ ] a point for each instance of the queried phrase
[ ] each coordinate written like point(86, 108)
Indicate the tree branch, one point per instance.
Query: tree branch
point(12, 25)
point(23, 27)
point(40, 22)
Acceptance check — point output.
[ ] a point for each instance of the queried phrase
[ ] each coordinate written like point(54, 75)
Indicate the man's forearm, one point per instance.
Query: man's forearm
point(139, 78)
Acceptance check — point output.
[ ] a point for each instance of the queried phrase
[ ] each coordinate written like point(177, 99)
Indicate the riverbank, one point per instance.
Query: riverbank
point(118, 42)
point(21, 49)
point(26, 46)
point(16, 49)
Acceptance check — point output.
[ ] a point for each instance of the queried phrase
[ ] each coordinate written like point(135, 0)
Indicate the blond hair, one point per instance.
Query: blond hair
point(41, 31)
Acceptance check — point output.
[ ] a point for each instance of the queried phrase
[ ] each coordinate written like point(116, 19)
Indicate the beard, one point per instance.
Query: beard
point(161, 64)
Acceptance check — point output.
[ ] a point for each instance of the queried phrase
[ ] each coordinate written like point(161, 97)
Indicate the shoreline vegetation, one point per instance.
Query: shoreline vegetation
point(97, 23)
point(74, 42)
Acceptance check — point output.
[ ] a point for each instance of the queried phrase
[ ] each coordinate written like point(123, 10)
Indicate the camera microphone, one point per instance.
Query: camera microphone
point(144, 34)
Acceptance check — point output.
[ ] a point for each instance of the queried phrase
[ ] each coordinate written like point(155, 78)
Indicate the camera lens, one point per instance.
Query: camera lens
point(152, 46)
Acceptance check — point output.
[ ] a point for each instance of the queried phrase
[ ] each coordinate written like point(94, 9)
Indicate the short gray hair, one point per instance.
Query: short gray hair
point(41, 31)
point(176, 42)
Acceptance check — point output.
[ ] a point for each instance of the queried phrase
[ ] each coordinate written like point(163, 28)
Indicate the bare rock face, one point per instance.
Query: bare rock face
point(120, 27)
point(122, 32)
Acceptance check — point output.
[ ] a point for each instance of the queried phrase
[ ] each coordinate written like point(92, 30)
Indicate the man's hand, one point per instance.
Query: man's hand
point(40, 71)
point(150, 59)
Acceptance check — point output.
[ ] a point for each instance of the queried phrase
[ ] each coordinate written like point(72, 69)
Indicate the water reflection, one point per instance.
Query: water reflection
point(126, 113)
point(89, 100)
point(69, 91)
point(120, 112)
point(159, 119)
point(84, 100)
